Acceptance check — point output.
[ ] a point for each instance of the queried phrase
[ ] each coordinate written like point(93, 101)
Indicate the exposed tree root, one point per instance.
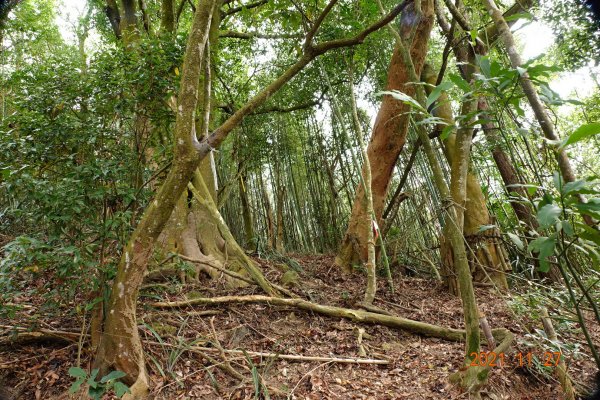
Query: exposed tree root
point(478, 375)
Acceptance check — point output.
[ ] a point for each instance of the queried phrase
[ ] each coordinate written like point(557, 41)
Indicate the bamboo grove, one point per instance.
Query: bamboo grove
point(185, 141)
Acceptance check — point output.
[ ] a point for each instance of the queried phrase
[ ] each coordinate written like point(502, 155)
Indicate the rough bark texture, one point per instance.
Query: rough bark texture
point(167, 16)
point(389, 134)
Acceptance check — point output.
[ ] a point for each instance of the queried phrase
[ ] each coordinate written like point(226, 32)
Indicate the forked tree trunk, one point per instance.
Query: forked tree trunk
point(388, 136)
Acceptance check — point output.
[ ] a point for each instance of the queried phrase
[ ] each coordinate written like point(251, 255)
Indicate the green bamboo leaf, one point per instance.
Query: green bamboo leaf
point(437, 92)
point(581, 133)
point(516, 240)
point(403, 97)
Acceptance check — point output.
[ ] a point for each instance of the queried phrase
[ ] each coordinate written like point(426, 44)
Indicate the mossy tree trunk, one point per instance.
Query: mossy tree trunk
point(120, 347)
point(486, 255)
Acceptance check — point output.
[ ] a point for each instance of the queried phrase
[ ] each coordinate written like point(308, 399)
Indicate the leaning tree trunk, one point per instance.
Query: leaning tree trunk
point(486, 255)
point(120, 347)
point(388, 136)
point(539, 110)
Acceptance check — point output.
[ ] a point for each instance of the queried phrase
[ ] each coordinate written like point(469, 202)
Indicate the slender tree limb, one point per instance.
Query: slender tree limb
point(257, 35)
point(248, 6)
point(310, 53)
point(317, 24)
point(297, 107)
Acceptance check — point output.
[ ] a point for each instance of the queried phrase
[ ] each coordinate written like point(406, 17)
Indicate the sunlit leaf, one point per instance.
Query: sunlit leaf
point(581, 133)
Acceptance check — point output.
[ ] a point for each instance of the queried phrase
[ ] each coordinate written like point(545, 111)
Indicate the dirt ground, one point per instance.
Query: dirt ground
point(418, 367)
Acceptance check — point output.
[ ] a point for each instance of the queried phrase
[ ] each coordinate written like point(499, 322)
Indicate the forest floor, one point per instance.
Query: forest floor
point(418, 367)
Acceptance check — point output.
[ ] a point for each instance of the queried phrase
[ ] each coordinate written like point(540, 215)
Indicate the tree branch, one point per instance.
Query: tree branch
point(257, 35)
point(313, 31)
point(310, 53)
point(301, 106)
point(358, 39)
point(249, 6)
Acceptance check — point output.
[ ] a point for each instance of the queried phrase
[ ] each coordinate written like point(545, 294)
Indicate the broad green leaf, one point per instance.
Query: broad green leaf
point(460, 82)
point(573, 187)
point(588, 233)
point(120, 389)
point(558, 181)
point(484, 64)
point(567, 228)
point(516, 240)
point(77, 372)
point(406, 99)
point(75, 386)
point(96, 393)
point(473, 34)
point(583, 132)
point(437, 92)
point(112, 376)
point(548, 215)
point(544, 246)
point(591, 208)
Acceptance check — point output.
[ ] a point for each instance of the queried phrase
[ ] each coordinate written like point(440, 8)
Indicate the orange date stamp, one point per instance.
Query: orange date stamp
point(492, 359)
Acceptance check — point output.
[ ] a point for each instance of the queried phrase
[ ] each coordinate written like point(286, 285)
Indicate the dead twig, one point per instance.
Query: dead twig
point(289, 357)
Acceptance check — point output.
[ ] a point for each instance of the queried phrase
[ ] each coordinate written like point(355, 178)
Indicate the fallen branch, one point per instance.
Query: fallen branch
point(289, 357)
point(422, 328)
